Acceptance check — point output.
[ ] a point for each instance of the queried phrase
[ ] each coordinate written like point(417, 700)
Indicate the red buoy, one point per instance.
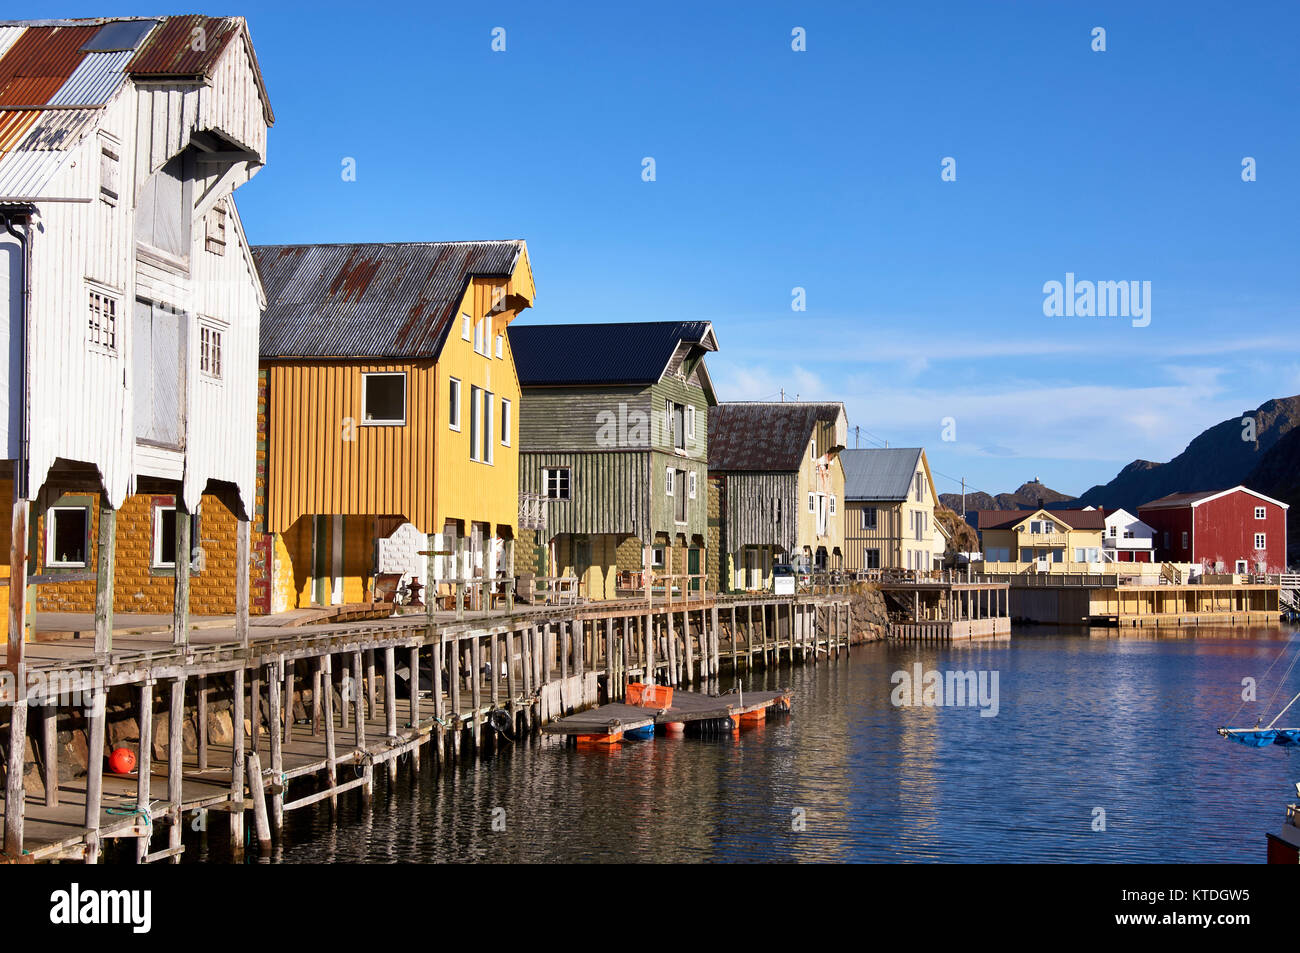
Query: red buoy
point(122, 761)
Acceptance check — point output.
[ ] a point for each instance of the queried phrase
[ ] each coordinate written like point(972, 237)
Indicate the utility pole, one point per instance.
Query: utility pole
point(857, 438)
point(783, 395)
point(963, 498)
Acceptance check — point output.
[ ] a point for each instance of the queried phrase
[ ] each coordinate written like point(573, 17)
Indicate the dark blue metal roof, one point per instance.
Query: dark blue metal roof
point(602, 354)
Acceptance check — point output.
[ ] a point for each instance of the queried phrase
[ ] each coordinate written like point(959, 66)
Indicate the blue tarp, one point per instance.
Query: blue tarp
point(1263, 737)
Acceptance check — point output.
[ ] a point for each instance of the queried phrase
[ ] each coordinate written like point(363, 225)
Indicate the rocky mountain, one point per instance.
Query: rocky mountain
point(1278, 475)
point(1026, 496)
point(1219, 457)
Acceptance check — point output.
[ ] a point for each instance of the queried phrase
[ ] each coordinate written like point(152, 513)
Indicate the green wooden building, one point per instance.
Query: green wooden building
point(614, 440)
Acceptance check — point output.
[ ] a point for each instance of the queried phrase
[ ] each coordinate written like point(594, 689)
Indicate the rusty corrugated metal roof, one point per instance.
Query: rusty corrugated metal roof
point(765, 435)
point(32, 70)
point(370, 300)
point(170, 49)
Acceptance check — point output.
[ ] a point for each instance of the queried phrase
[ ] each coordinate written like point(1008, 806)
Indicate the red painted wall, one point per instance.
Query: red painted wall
point(1174, 522)
point(1226, 528)
point(1221, 531)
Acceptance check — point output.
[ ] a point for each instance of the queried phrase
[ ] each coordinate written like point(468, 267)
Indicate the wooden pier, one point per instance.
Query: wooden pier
point(367, 694)
point(947, 609)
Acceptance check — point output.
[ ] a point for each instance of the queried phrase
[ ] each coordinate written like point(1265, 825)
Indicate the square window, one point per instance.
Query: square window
point(555, 482)
point(67, 536)
point(453, 404)
point(868, 517)
point(383, 399)
point(657, 557)
point(1260, 513)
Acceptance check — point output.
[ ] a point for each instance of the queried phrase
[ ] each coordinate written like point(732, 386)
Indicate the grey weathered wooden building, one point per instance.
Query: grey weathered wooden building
point(778, 488)
point(614, 423)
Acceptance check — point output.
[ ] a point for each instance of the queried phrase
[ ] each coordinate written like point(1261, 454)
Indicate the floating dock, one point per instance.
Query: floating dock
point(612, 722)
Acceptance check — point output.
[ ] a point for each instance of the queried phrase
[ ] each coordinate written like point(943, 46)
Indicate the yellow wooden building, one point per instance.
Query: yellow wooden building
point(389, 415)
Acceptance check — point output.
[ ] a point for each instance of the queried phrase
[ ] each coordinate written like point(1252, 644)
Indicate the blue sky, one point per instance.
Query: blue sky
point(820, 169)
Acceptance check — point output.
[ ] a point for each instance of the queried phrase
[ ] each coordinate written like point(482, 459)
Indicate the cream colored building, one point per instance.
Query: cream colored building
point(1041, 540)
point(889, 510)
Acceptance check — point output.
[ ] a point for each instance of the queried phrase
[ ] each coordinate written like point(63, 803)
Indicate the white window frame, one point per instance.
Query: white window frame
point(454, 385)
point(690, 484)
point(489, 425)
point(466, 326)
point(500, 346)
point(668, 480)
point(690, 422)
point(216, 334)
point(105, 294)
point(52, 516)
point(475, 422)
point(480, 337)
point(506, 422)
point(157, 558)
point(875, 517)
point(656, 557)
point(1184, 540)
point(1261, 541)
point(812, 502)
point(546, 483)
point(1261, 512)
point(365, 376)
point(832, 504)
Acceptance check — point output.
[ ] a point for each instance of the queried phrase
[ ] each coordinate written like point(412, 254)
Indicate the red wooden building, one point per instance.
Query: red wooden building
point(1234, 530)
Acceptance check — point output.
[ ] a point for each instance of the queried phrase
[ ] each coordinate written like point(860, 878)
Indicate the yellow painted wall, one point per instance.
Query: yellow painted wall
point(467, 490)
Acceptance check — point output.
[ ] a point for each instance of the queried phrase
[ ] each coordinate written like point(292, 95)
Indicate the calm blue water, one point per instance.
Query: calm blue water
point(1118, 722)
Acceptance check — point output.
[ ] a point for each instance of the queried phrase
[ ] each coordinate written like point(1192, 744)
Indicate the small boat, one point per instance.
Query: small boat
point(1284, 846)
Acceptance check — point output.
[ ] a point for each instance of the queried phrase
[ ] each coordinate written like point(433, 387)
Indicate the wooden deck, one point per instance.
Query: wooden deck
point(519, 669)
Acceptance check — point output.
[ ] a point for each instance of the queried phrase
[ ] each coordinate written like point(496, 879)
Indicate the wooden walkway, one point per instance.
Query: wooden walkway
point(500, 670)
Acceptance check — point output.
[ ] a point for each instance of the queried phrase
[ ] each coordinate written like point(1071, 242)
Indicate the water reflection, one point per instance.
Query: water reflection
point(1113, 720)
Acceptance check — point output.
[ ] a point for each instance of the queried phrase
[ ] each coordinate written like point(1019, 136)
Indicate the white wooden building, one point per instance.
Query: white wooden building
point(129, 302)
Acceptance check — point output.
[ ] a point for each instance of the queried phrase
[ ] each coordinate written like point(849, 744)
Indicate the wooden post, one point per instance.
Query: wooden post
point(439, 650)
point(323, 674)
point(277, 710)
point(255, 707)
point(371, 689)
point(611, 667)
point(175, 763)
point(144, 768)
point(288, 698)
point(476, 689)
point(95, 726)
point(578, 635)
point(358, 705)
point(50, 749)
point(237, 766)
point(317, 695)
point(454, 681)
point(243, 543)
point(105, 566)
point(687, 650)
point(181, 589)
point(258, 792)
point(346, 688)
point(512, 682)
point(390, 704)
point(413, 689)
point(671, 629)
point(495, 661)
point(201, 703)
point(15, 793)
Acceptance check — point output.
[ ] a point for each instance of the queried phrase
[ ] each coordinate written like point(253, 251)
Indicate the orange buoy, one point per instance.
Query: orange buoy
point(122, 761)
point(675, 727)
point(612, 738)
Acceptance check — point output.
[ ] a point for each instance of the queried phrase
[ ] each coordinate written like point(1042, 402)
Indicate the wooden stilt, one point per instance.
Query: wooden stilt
point(390, 704)
point(105, 567)
point(276, 711)
point(476, 689)
point(201, 705)
point(413, 688)
point(95, 727)
point(237, 766)
point(257, 791)
point(243, 545)
point(175, 763)
point(181, 597)
point(50, 750)
point(325, 675)
point(144, 769)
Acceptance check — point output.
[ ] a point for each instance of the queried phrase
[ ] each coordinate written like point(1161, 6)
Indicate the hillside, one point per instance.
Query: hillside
point(1278, 475)
point(1215, 459)
point(1027, 496)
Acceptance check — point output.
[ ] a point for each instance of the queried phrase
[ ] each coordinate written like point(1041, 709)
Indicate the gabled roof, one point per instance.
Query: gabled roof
point(629, 353)
point(765, 435)
point(879, 473)
point(359, 300)
point(1074, 519)
point(1179, 500)
point(85, 63)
